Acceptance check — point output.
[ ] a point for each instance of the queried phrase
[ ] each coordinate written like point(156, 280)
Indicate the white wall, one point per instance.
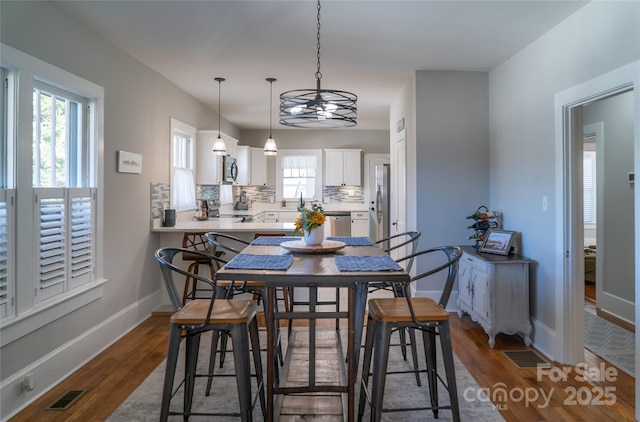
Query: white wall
point(138, 105)
point(598, 38)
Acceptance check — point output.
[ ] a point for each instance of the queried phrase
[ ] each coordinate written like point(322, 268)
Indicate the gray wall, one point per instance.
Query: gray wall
point(452, 146)
point(615, 198)
point(138, 105)
point(598, 38)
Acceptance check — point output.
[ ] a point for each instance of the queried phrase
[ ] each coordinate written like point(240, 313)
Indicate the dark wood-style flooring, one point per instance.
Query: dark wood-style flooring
point(113, 375)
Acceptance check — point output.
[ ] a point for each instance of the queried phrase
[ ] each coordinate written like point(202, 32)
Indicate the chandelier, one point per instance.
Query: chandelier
point(318, 108)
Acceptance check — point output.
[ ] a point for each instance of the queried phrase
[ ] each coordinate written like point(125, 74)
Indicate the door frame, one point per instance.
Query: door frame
point(568, 134)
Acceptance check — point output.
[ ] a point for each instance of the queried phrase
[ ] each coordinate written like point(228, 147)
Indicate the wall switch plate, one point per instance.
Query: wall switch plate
point(352, 193)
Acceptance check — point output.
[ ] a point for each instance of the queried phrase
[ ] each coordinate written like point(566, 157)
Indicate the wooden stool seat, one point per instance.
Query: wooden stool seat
point(397, 310)
point(224, 312)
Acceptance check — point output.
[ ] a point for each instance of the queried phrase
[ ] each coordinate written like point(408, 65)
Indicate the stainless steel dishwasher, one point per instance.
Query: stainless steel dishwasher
point(338, 223)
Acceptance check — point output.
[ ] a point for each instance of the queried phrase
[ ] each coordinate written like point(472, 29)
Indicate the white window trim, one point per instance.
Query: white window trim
point(30, 316)
point(319, 175)
point(190, 131)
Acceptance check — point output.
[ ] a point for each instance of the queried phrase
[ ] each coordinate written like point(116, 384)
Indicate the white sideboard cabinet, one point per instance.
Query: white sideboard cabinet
point(494, 292)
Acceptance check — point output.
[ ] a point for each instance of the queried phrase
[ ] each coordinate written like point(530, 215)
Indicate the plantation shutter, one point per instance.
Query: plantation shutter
point(82, 236)
point(65, 239)
point(7, 247)
point(51, 242)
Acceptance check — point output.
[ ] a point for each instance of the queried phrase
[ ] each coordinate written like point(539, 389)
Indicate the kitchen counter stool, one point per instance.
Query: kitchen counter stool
point(195, 241)
point(201, 315)
point(420, 313)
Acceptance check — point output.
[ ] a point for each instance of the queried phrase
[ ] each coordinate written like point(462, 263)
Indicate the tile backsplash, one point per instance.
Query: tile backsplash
point(160, 195)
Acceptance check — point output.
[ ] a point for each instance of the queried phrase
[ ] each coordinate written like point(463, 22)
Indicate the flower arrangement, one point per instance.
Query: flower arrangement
point(309, 219)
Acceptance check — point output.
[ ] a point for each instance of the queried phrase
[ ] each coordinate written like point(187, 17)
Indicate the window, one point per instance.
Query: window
point(300, 173)
point(183, 186)
point(589, 186)
point(52, 201)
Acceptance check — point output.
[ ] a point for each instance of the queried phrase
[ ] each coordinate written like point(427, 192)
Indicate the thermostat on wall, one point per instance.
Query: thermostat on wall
point(631, 177)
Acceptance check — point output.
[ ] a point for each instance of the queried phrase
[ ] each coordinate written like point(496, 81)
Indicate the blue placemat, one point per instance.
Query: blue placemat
point(260, 262)
point(353, 241)
point(273, 240)
point(366, 263)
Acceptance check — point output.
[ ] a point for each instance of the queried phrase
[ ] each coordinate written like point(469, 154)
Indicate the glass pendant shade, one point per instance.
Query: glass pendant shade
point(270, 147)
point(219, 148)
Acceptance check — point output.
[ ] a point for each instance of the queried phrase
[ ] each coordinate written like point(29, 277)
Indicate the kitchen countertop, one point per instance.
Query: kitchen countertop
point(231, 220)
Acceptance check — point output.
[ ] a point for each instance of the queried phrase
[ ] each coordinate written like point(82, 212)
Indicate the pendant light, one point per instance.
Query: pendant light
point(219, 148)
point(270, 147)
point(318, 108)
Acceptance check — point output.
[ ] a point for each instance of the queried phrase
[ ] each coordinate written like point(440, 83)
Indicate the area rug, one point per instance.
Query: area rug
point(612, 343)
point(144, 403)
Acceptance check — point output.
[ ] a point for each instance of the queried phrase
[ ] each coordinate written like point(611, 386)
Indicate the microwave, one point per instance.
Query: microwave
point(229, 170)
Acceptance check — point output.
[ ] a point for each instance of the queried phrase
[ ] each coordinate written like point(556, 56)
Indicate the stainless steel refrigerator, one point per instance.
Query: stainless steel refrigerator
point(379, 209)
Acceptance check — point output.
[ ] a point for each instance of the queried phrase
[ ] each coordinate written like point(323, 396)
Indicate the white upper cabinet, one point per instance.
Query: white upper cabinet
point(252, 166)
point(342, 167)
point(209, 166)
point(258, 167)
point(244, 165)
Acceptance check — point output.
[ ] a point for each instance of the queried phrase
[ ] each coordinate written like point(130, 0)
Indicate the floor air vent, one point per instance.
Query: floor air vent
point(526, 359)
point(66, 400)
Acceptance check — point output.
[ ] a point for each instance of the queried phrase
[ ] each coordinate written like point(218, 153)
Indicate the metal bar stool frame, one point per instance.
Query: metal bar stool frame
point(421, 313)
point(202, 315)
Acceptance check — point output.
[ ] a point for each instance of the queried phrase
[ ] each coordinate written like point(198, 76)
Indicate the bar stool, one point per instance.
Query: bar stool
point(202, 315)
point(194, 241)
point(420, 313)
point(389, 244)
point(233, 245)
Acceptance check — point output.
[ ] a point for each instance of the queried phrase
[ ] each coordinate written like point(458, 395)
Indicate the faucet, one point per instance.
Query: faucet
point(301, 201)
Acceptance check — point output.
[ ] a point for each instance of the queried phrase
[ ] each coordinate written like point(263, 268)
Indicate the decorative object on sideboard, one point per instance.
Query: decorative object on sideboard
point(499, 242)
point(270, 147)
point(219, 147)
point(484, 220)
point(318, 108)
point(129, 162)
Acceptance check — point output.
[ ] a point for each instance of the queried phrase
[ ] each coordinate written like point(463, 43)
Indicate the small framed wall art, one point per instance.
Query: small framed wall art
point(129, 162)
point(498, 241)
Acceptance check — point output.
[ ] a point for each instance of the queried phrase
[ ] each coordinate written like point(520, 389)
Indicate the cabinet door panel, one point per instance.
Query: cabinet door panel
point(481, 293)
point(464, 284)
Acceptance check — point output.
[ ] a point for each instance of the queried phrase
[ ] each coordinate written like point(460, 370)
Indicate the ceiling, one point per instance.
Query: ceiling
point(370, 48)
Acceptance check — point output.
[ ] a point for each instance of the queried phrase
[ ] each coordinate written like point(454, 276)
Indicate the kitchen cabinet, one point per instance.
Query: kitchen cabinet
point(258, 218)
point(252, 166)
point(287, 216)
point(271, 216)
point(258, 167)
point(342, 167)
point(494, 291)
point(280, 216)
point(209, 166)
point(360, 223)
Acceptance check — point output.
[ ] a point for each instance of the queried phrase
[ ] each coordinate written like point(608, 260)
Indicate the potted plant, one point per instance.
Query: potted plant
point(309, 223)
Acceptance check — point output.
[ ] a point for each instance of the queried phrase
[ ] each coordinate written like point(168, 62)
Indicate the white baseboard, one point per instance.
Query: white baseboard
point(62, 362)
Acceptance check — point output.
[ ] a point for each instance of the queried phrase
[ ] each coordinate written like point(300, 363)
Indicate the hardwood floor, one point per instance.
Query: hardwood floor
point(115, 373)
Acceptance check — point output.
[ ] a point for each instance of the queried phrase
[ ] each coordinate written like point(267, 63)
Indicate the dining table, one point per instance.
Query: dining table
point(345, 262)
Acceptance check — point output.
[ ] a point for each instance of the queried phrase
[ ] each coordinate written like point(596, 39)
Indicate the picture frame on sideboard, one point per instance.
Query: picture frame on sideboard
point(498, 242)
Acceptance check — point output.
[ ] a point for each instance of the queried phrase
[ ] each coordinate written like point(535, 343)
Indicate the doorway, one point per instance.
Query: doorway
point(570, 241)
